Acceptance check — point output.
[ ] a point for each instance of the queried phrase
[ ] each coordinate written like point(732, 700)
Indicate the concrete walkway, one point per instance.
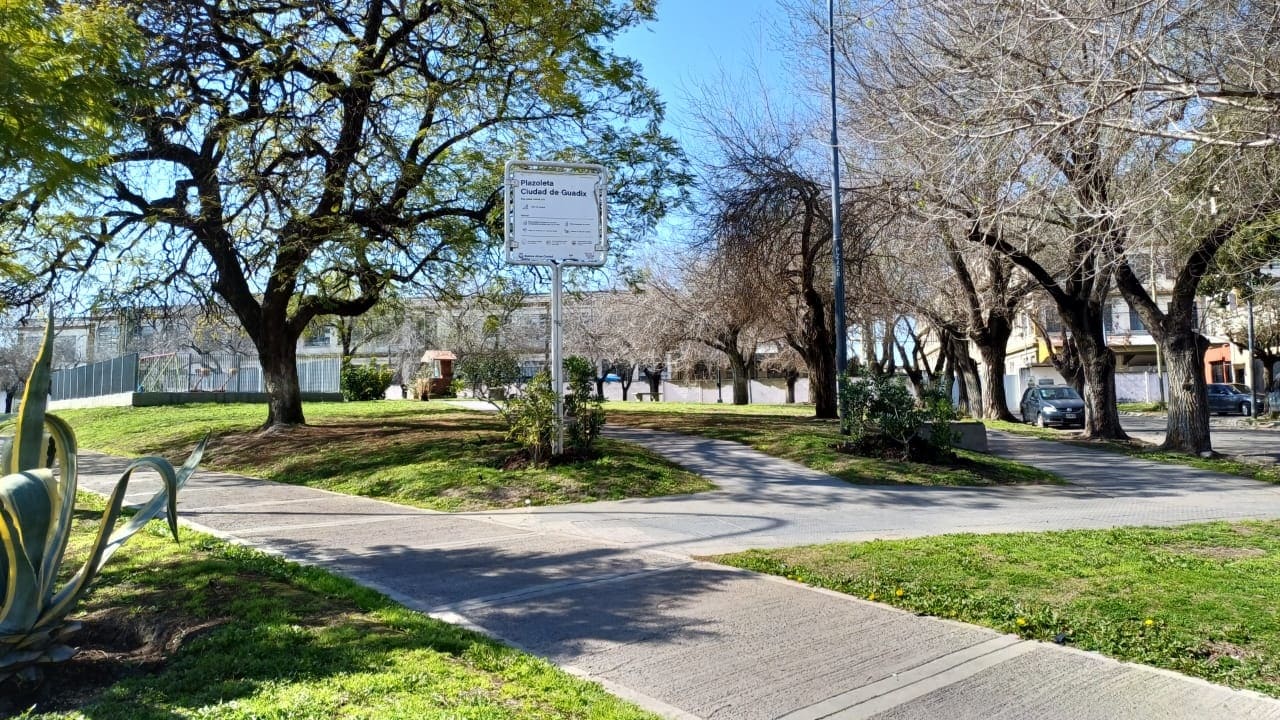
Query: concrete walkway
point(610, 590)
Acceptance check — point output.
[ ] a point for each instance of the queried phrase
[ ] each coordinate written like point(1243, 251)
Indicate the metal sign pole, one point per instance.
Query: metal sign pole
point(556, 213)
point(557, 360)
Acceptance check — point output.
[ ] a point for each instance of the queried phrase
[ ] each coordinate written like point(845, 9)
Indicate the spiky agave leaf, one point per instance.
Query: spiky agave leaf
point(36, 511)
point(28, 449)
point(62, 497)
point(107, 542)
point(25, 510)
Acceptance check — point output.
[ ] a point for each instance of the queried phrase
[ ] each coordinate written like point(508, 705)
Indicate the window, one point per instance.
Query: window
point(1052, 322)
point(529, 368)
point(1135, 322)
point(1108, 319)
point(317, 337)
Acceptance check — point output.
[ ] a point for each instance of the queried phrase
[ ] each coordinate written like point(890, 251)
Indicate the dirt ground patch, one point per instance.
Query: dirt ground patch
point(114, 644)
point(263, 447)
point(1218, 552)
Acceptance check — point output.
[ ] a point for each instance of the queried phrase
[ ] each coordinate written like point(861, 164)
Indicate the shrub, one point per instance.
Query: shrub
point(939, 413)
point(855, 398)
point(531, 417)
point(36, 510)
point(485, 372)
point(879, 408)
point(584, 413)
point(365, 382)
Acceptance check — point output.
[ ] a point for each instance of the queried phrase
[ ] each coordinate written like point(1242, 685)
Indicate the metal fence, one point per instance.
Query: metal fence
point(191, 372)
point(109, 377)
point(186, 372)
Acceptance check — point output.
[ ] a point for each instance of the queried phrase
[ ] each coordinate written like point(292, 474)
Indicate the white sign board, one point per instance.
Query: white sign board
point(555, 213)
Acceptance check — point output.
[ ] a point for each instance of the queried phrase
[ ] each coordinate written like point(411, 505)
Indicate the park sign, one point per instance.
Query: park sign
point(555, 213)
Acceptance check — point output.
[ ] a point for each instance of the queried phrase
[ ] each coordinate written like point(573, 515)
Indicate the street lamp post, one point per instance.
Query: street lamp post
point(837, 241)
point(1249, 377)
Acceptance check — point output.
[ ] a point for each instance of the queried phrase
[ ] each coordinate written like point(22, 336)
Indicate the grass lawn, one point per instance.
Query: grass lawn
point(424, 454)
point(1141, 407)
point(1138, 449)
point(1200, 599)
point(210, 630)
point(791, 432)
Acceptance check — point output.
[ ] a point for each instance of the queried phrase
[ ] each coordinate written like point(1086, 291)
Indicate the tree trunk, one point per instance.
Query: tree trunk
point(822, 385)
point(995, 404)
point(791, 387)
point(654, 378)
point(1188, 423)
point(599, 388)
point(278, 356)
point(973, 381)
point(1101, 418)
point(737, 363)
point(969, 396)
point(962, 390)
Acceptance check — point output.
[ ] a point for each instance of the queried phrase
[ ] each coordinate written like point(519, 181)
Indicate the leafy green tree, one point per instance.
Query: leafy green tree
point(308, 157)
point(61, 72)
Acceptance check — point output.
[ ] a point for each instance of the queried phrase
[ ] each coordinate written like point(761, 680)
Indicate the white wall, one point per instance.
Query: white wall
point(772, 391)
point(1140, 386)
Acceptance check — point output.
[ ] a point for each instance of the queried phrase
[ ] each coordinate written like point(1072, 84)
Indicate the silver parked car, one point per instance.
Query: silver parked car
point(1047, 405)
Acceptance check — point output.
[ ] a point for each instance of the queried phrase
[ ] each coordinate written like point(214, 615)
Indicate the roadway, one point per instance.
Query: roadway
point(1227, 434)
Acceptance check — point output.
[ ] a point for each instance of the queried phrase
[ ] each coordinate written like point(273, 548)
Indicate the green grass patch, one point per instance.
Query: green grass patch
point(1138, 449)
point(424, 454)
point(794, 434)
point(264, 638)
point(1199, 599)
point(1141, 407)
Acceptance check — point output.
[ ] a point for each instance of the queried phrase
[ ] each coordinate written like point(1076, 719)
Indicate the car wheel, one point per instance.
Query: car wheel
point(1244, 408)
point(1040, 419)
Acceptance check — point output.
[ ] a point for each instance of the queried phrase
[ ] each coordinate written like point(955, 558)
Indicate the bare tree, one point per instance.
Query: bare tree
point(714, 303)
point(772, 220)
point(626, 331)
point(1059, 139)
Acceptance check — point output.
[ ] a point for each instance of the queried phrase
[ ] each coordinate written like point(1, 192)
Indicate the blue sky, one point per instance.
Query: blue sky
point(698, 42)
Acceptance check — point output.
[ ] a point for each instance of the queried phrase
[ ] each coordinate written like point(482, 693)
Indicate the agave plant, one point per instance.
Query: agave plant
point(36, 506)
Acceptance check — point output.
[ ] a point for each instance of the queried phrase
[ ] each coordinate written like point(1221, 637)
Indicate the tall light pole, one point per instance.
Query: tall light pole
point(837, 241)
point(1154, 290)
point(1248, 369)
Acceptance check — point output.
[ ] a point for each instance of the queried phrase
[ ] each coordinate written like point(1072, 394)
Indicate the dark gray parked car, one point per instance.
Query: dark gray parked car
point(1047, 405)
point(1229, 398)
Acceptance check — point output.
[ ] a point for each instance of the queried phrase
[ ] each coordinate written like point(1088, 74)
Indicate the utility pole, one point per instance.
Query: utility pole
point(837, 240)
point(1159, 354)
point(1248, 369)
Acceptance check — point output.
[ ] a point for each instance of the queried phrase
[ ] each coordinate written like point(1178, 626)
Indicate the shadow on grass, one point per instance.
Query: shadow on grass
point(559, 601)
point(811, 442)
point(287, 626)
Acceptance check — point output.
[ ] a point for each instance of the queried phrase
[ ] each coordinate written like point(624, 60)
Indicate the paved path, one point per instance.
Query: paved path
point(610, 590)
point(1228, 434)
point(767, 502)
